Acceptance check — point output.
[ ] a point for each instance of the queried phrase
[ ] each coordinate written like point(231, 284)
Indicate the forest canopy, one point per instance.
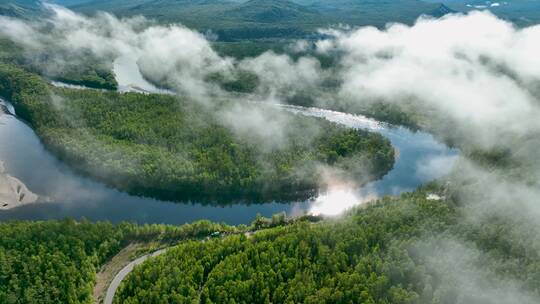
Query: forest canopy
point(396, 250)
point(56, 261)
point(173, 148)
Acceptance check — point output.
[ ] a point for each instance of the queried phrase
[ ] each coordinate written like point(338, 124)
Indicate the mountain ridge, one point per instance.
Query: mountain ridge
point(260, 19)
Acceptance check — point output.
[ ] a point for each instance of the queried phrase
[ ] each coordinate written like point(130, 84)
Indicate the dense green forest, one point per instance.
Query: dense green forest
point(170, 147)
point(56, 261)
point(407, 249)
point(386, 252)
point(470, 237)
point(394, 250)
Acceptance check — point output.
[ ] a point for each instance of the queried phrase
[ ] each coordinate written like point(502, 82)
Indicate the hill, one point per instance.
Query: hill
point(257, 19)
point(396, 250)
point(520, 12)
point(254, 19)
point(268, 11)
point(374, 12)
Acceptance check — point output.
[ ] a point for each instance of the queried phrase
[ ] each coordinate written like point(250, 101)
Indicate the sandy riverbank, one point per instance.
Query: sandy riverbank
point(4, 110)
point(13, 193)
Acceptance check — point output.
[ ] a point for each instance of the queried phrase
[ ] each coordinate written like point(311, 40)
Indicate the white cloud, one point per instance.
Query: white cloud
point(279, 74)
point(172, 55)
point(476, 69)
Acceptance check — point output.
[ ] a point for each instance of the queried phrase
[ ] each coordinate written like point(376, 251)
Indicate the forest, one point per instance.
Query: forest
point(394, 250)
point(406, 249)
point(469, 237)
point(56, 261)
point(172, 148)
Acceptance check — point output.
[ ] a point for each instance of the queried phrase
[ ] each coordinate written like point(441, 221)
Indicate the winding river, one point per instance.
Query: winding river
point(64, 193)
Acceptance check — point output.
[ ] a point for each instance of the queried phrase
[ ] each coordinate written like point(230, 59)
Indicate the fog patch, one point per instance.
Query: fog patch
point(258, 125)
point(459, 275)
point(173, 55)
point(436, 166)
point(280, 75)
point(475, 68)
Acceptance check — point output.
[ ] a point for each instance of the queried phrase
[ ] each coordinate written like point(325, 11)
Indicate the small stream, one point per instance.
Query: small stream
point(65, 193)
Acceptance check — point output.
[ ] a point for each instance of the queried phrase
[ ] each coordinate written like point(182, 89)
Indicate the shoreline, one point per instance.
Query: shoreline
point(13, 192)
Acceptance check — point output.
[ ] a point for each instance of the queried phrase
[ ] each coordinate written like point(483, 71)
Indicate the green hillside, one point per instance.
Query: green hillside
point(265, 11)
point(56, 261)
point(260, 19)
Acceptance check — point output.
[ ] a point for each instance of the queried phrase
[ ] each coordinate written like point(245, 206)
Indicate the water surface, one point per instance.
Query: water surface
point(65, 193)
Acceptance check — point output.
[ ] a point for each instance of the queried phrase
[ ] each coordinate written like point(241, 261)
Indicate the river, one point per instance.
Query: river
point(65, 193)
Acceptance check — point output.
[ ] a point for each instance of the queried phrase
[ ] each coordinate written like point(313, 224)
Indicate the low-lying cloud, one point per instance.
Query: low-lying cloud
point(280, 75)
point(477, 70)
point(172, 56)
point(477, 76)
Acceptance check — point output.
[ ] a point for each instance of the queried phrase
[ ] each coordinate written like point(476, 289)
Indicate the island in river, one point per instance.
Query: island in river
point(27, 158)
point(171, 148)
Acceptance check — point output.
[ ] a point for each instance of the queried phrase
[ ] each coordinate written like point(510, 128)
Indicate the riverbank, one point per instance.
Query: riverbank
point(3, 110)
point(23, 150)
point(65, 188)
point(173, 148)
point(13, 192)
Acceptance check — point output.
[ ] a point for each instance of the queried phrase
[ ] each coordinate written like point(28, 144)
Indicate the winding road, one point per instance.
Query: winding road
point(23, 152)
point(121, 275)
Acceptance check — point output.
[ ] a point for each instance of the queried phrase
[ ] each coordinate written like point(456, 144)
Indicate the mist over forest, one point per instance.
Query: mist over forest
point(398, 151)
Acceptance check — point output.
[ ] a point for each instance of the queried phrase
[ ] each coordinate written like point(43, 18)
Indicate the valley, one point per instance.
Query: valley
point(269, 151)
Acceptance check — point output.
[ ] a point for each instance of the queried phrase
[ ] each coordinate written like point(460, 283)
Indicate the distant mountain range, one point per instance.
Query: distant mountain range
point(520, 12)
point(300, 12)
point(234, 20)
point(251, 19)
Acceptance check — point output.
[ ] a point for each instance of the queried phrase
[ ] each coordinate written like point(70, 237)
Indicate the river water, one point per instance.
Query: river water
point(65, 193)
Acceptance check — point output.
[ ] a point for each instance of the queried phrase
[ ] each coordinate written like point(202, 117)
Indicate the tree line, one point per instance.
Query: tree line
point(56, 261)
point(395, 250)
point(173, 148)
